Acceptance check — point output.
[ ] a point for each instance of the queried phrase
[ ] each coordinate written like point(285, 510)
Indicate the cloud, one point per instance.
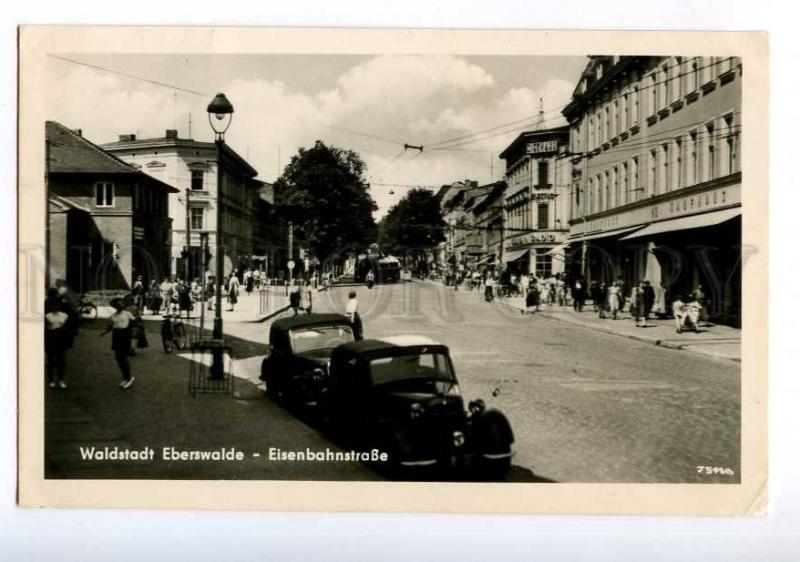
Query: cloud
point(405, 99)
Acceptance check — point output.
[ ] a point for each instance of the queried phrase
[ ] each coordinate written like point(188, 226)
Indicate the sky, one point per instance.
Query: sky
point(370, 104)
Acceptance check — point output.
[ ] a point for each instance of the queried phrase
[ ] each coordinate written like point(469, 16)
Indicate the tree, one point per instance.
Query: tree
point(413, 225)
point(323, 192)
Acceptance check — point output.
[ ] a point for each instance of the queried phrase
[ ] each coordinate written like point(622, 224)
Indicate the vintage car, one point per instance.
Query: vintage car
point(296, 368)
point(400, 395)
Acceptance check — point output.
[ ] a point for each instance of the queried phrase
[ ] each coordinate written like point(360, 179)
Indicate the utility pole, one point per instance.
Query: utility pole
point(291, 250)
point(188, 259)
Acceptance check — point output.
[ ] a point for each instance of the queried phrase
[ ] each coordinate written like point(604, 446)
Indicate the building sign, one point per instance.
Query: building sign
point(138, 233)
point(674, 207)
point(542, 146)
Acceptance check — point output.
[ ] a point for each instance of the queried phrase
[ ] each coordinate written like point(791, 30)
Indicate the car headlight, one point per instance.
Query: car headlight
point(458, 438)
point(416, 410)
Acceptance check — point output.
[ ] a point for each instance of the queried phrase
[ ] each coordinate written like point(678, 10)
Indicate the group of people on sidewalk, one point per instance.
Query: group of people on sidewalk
point(179, 296)
point(609, 301)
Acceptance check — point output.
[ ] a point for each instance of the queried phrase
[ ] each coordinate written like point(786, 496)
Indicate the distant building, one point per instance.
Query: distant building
point(656, 186)
point(192, 167)
point(485, 237)
point(452, 252)
point(537, 202)
point(107, 221)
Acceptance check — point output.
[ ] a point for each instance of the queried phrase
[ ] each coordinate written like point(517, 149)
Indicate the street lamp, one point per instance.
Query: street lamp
point(220, 115)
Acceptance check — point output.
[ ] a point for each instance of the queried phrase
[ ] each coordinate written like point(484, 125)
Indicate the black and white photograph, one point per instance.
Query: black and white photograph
point(505, 269)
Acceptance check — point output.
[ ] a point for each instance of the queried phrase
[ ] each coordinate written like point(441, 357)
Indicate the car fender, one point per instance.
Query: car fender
point(491, 432)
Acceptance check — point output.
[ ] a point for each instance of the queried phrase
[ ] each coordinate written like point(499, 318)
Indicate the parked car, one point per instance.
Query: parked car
point(401, 396)
point(296, 367)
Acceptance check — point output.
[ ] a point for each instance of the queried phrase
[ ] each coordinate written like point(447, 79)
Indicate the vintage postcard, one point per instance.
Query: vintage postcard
point(393, 270)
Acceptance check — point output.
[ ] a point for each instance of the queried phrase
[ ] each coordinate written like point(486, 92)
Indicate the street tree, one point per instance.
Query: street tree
point(413, 226)
point(323, 192)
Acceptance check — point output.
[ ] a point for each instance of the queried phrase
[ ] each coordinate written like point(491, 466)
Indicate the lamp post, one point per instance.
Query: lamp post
point(220, 115)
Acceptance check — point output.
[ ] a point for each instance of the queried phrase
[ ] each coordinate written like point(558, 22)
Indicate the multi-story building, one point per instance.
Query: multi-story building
point(478, 225)
point(107, 222)
point(453, 251)
point(656, 185)
point(537, 202)
point(192, 167)
point(487, 224)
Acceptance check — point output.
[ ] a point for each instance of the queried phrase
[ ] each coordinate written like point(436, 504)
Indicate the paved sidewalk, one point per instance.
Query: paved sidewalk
point(717, 341)
point(721, 342)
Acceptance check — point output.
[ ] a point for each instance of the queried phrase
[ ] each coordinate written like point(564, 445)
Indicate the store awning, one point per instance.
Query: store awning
point(604, 234)
point(514, 255)
point(687, 223)
point(558, 249)
point(486, 260)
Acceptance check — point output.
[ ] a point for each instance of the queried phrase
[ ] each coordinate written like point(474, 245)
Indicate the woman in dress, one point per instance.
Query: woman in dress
point(120, 328)
point(612, 299)
point(233, 291)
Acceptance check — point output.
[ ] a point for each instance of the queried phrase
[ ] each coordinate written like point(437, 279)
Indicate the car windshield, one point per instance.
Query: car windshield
point(319, 337)
point(413, 366)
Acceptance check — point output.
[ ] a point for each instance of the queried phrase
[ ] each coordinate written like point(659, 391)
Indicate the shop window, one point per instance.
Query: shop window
point(104, 194)
point(544, 263)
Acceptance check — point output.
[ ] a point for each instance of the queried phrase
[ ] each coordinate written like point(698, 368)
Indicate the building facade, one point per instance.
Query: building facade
point(107, 222)
point(656, 176)
point(537, 202)
point(192, 167)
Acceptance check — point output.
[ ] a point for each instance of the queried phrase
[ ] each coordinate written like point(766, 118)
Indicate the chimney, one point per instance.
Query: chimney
point(78, 132)
point(127, 138)
point(171, 134)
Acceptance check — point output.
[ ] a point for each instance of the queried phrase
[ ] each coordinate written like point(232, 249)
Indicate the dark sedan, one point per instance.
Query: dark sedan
point(296, 368)
point(401, 396)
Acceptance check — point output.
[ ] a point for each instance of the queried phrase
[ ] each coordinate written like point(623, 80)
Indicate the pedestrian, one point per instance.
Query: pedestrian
point(679, 313)
point(69, 305)
point(120, 328)
point(612, 300)
point(700, 296)
point(543, 290)
point(154, 299)
point(293, 291)
point(167, 294)
point(137, 292)
point(649, 299)
point(488, 291)
point(211, 290)
point(693, 308)
point(638, 302)
point(55, 339)
point(578, 295)
point(185, 298)
point(561, 296)
point(370, 279)
point(351, 311)
point(307, 297)
point(532, 298)
point(233, 291)
point(249, 281)
point(601, 294)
